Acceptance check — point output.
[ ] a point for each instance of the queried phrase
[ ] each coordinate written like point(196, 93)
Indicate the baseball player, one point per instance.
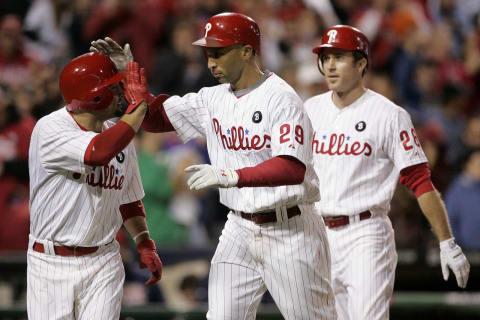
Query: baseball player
point(84, 184)
point(258, 140)
point(362, 145)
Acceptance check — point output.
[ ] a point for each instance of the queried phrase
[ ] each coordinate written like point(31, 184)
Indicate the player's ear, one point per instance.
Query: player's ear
point(362, 65)
point(247, 51)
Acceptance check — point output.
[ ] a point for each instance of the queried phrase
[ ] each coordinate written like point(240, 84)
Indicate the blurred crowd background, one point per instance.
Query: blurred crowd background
point(425, 57)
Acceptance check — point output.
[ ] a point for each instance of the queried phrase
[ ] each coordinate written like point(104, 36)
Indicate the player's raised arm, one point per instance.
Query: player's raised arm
point(120, 56)
point(112, 141)
point(156, 120)
point(86, 165)
point(255, 139)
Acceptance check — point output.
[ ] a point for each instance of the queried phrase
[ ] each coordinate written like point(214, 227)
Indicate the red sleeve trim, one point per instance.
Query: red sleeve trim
point(156, 119)
point(278, 171)
point(132, 209)
point(417, 179)
point(106, 145)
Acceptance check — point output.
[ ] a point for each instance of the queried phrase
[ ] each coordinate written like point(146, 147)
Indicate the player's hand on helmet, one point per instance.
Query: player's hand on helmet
point(135, 87)
point(451, 256)
point(120, 56)
point(209, 176)
point(147, 252)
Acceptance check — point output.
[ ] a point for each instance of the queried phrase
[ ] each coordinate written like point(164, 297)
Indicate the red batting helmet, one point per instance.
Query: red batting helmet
point(228, 28)
point(344, 37)
point(84, 82)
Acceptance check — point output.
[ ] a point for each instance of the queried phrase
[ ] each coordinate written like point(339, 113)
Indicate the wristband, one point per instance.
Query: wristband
point(139, 234)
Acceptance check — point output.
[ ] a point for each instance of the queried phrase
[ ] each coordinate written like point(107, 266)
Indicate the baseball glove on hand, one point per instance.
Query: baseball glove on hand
point(136, 86)
point(209, 176)
point(149, 258)
point(120, 56)
point(451, 256)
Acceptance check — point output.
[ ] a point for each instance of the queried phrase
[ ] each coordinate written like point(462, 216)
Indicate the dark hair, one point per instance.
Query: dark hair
point(357, 56)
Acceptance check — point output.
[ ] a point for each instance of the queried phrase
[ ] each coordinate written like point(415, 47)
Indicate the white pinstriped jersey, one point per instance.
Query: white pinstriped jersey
point(241, 132)
point(71, 203)
point(359, 151)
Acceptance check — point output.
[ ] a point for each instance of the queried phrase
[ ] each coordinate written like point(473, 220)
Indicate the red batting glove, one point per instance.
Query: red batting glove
point(149, 258)
point(136, 89)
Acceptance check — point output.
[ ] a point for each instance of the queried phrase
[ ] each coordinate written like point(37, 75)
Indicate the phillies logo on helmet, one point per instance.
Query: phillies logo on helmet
point(332, 35)
point(208, 27)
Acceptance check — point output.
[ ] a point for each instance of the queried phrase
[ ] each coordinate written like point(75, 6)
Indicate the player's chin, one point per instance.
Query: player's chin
point(333, 83)
point(220, 79)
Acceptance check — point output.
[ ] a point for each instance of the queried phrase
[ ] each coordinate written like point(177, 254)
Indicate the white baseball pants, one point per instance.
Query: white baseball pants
point(290, 259)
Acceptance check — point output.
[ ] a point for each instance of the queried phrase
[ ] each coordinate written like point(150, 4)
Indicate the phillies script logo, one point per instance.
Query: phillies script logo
point(108, 178)
point(338, 145)
point(238, 138)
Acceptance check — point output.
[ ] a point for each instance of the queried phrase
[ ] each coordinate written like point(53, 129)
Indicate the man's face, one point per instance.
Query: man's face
point(225, 63)
point(342, 72)
point(117, 106)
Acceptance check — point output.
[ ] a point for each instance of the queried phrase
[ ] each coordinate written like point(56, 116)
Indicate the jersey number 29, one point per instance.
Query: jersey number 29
point(285, 131)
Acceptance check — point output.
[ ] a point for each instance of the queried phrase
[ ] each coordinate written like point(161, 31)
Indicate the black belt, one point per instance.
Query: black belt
point(269, 216)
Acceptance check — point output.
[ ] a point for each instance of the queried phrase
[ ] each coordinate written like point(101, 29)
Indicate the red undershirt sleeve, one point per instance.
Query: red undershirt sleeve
point(417, 179)
point(278, 171)
point(156, 119)
point(132, 209)
point(106, 145)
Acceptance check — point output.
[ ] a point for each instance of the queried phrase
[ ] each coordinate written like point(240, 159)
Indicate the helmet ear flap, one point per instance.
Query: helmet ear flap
point(103, 99)
point(98, 101)
point(84, 82)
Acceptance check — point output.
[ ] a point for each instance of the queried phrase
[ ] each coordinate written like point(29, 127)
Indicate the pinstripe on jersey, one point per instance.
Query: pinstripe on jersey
point(358, 152)
point(290, 258)
point(64, 208)
point(235, 140)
